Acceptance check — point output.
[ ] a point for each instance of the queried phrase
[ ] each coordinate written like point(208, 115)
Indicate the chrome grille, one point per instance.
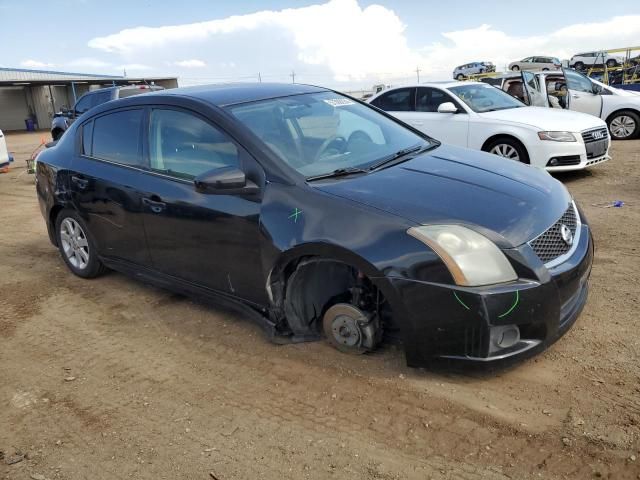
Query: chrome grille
point(550, 245)
point(595, 135)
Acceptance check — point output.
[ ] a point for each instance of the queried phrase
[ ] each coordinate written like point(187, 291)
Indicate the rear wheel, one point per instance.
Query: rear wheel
point(76, 247)
point(508, 148)
point(611, 63)
point(515, 68)
point(578, 65)
point(459, 76)
point(56, 134)
point(624, 125)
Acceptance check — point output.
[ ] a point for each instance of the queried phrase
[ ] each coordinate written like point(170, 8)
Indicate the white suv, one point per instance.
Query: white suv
point(589, 59)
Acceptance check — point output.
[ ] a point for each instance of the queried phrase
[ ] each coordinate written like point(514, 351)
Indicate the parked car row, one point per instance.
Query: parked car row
point(325, 217)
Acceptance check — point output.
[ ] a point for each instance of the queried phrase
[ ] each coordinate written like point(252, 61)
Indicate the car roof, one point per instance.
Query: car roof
point(223, 95)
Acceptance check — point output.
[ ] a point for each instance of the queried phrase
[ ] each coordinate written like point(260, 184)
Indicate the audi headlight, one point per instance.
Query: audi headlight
point(557, 136)
point(472, 259)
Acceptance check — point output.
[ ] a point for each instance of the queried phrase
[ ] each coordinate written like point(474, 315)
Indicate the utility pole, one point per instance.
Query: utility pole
point(259, 77)
point(293, 76)
point(418, 73)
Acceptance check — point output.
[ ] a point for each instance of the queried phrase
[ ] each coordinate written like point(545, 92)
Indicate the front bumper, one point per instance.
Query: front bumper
point(455, 323)
point(569, 156)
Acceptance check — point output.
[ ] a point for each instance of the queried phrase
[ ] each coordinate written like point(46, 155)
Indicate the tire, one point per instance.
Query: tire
point(73, 238)
point(515, 68)
point(459, 76)
point(508, 147)
point(611, 63)
point(56, 134)
point(624, 125)
point(545, 69)
point(578, 65)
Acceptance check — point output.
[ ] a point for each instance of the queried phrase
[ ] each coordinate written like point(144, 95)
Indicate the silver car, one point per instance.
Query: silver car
point(536, 63)
point(473, 68)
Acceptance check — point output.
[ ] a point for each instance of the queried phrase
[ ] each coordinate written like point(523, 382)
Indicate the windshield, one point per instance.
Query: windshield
point(319, 133)
point(485, 98)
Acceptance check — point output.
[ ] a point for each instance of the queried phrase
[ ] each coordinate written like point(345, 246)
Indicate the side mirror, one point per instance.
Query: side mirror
point(447, 107)
point(224, 181)
point(596, 89)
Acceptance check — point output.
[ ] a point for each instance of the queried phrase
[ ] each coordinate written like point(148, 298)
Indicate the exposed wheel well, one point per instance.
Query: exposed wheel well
point(313, 284)
point(503, 136)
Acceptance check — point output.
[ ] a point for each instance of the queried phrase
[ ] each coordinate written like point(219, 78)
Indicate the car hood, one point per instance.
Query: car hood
point(547, 119)
point(507, 201)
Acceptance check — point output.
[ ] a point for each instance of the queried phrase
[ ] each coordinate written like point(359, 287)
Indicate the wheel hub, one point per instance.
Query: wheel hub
point(349, 329)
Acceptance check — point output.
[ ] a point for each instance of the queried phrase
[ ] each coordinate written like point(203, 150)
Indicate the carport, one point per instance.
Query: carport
point(36, 95)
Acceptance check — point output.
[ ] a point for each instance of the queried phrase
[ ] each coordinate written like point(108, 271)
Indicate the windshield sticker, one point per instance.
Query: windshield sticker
point(339, 102)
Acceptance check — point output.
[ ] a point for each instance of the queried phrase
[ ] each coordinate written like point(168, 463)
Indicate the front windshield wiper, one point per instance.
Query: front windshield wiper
point(340, 172)
point(400, 154)
point(502, 108)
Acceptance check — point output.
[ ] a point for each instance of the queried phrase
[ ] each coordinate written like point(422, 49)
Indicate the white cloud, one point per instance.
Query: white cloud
point(30, 63)
point(352, 41)
point(340, 41)
point(192, 63)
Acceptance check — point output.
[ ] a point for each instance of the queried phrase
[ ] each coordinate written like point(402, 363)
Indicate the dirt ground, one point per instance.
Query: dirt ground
point(110, 378)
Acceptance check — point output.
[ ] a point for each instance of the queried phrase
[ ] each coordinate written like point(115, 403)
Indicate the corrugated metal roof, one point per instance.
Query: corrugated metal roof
point(24, 75)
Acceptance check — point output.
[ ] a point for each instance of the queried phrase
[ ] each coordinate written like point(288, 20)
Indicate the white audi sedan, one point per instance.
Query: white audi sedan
point(479, 116)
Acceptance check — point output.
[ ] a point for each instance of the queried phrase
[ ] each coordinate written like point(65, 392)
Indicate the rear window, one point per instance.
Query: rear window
point(400, 100)
point(130, 92)
point(116, 137)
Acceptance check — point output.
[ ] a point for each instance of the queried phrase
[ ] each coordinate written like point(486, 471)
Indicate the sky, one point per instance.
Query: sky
point(348, 44)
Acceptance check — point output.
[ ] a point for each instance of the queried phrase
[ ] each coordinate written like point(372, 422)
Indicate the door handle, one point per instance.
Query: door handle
point(417, 124)
point(154, 203)
point(80, 182)
point(575, 96)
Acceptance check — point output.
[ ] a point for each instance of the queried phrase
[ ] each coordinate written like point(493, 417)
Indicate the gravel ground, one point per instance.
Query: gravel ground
point(111, 378)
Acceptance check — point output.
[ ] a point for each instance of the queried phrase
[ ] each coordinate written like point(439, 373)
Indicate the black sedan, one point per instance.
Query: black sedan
point(322, 217)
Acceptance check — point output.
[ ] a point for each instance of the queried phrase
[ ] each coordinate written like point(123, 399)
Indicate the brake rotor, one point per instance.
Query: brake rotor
point(342, 327)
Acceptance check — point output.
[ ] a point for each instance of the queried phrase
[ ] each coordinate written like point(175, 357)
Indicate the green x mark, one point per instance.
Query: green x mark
point(295, 215)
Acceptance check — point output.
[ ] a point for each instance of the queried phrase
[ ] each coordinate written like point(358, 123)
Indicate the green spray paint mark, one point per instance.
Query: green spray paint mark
point(512, 306)
point(460, 301)
point(296, 213)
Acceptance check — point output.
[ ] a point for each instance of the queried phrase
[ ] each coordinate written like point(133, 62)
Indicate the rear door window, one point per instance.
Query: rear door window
point(429, 99)
point(400, 100)
point(117, 137)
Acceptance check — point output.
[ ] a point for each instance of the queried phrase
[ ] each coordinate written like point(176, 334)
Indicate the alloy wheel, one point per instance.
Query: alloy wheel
point(74, 243)
point(623, 126)
point(505, 150)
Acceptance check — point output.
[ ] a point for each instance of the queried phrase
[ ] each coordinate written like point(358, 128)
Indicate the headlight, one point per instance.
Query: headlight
point(471, 258)
point(557, 136)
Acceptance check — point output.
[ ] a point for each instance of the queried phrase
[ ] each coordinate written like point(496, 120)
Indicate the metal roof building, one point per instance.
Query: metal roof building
point(36, 94)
